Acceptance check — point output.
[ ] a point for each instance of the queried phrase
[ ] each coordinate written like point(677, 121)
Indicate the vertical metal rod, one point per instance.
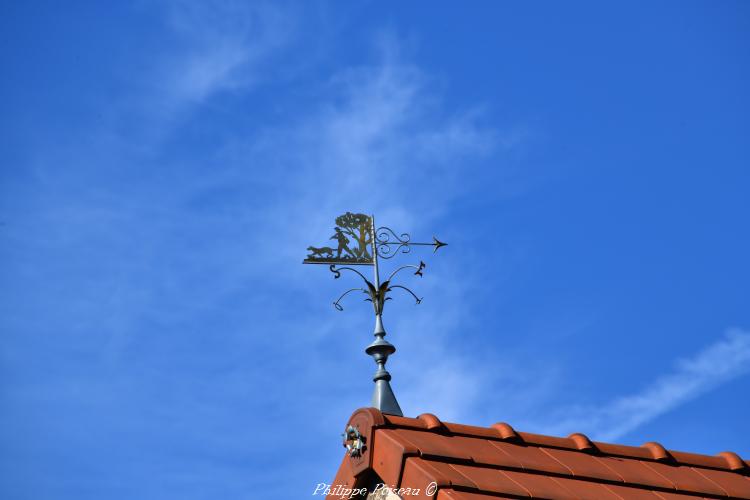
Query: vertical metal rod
point(375, 253)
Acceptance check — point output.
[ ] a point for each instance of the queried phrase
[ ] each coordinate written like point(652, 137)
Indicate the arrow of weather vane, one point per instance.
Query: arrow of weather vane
point(358, 243)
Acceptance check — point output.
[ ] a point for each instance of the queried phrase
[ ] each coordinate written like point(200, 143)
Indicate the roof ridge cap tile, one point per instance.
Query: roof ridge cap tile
point(548, 441)
point(407, 422)
point(431, 421)
point(506, 431)
point(733, 460)
point(658, 452)
point(582, 442)
point(377, 417)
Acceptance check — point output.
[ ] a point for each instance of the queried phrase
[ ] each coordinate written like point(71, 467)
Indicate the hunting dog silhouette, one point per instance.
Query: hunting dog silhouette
point(323, 252)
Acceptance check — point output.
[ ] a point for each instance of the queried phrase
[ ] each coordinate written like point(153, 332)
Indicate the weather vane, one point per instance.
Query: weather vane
point(358, 243)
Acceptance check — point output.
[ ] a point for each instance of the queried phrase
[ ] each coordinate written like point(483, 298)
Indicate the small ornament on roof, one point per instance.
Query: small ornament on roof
point(359, 243)
point(354, 442)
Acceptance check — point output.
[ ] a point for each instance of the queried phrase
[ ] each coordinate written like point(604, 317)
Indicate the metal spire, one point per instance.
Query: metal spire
point(382, 398)
point(372, 245)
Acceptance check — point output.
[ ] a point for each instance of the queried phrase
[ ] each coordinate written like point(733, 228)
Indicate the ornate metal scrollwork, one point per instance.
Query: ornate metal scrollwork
point(418, 271)
point(386, 238)
point(337, 272)
point(369, 245)
point(378, 295)
point(389, 243)
point(338, 305)
point(418, 299)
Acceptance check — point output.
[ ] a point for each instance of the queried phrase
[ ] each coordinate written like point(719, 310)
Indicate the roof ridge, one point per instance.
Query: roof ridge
point(414, 452)
point(652, 451)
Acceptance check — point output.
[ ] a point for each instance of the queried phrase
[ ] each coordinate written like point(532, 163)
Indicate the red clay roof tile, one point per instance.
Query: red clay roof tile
point(634, 472)
point(733, 460)
point(658, 452)
point(621, 450)
point(542, 440)
point(481, 451)
point(582, 441)
point(538, 485)
point(450, 494)
point(477, 463)
point(505, 430)
point(631, 493)
point(533, 458)
point(583, 465)
point(493, 480)
point(457, 479)
point(404, 422)
point(673, 496)
point(734, 484)
point(389, 453)
point(434, 445)
point(676, 496)
point(470, 430)
point(419, 473)
point(686, 479)
point(430, 421)
point(583, 490)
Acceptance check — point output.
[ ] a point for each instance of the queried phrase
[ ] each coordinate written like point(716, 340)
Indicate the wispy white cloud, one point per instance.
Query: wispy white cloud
point(375, 138)
point(715, 365)
point(223, 46)
point(204, 51)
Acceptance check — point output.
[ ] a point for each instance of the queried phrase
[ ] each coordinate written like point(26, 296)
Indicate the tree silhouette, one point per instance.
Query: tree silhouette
point(358, 226)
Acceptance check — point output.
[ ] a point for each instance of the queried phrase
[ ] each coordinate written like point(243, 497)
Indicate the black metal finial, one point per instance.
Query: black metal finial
point(369, 245)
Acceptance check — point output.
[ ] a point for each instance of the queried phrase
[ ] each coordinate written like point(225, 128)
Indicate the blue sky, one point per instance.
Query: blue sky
point(165, 164)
